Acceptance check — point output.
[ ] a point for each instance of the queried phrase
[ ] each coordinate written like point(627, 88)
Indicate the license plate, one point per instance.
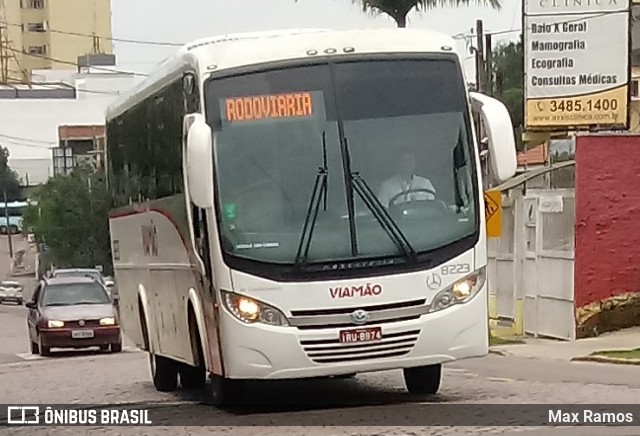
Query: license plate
point(81, 334)
point(371, 334)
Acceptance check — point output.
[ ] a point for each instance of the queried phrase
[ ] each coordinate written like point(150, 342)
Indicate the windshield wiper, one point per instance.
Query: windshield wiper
point(319, 193)
point(381, 214)
point(57, 304)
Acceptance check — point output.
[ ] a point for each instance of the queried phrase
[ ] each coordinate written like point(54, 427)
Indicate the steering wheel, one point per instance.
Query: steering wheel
point(409, 192)
point(418, 208)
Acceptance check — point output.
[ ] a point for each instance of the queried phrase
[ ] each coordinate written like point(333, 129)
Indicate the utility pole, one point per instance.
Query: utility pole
point(480, 68)
point(6, 217)
point(488, 75)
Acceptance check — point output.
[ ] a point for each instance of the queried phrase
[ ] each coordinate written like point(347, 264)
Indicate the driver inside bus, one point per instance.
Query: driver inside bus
point(406, 182)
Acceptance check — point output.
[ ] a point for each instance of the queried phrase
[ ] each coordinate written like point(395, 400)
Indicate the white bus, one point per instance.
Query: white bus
point(303, 203)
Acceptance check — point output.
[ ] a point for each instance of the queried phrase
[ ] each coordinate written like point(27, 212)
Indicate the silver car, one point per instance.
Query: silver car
point(11, 291)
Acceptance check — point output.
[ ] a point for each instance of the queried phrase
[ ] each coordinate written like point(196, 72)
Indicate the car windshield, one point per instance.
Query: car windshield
point(392, 137)
point(93, 274)
point(70, 294)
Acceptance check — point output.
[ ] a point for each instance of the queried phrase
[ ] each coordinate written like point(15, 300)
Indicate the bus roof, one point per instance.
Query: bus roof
point(235, 50)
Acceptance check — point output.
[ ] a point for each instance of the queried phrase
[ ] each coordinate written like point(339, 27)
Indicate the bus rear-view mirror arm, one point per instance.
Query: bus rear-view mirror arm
point(498, 134)
point(199, 161)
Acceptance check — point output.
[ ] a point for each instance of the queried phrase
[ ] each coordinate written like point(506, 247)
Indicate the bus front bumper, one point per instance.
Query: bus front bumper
point(268, 352)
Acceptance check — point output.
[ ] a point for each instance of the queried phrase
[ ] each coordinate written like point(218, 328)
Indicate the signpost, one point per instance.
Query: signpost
point(576, 64)
point(493, 213)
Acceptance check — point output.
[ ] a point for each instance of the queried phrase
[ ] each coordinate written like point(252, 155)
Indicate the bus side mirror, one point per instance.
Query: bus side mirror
point(499, 135)
point(199, 161)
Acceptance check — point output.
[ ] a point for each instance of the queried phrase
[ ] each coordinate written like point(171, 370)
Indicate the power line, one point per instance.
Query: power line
point(26, 139)
point(60, 61)
point(108, 38)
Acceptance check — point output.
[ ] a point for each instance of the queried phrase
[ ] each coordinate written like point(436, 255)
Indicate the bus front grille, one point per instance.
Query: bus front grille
point(341, 317)
point(332, 351)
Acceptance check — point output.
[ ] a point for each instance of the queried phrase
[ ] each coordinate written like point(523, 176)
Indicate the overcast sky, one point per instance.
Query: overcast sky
point(185, 20)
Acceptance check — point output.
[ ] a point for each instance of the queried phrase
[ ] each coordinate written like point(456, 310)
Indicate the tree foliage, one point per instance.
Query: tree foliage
point(508, 68)
point(8, 178)
point(71, 217)
point(400, 9)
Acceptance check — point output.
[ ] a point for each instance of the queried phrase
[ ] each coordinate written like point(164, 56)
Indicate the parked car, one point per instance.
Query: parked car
point(72, 312)
point(10, 291)
point(79, 272)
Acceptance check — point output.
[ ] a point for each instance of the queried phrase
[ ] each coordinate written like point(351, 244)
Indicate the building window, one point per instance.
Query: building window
point(35, 4)
point(38, 50)
point(36, 27)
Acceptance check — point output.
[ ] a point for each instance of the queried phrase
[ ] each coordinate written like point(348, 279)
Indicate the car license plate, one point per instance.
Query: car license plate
point(371, 334)
point(81, 334)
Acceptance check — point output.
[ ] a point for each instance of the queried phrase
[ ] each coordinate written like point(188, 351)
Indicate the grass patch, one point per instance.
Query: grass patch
point(619, 354)
point(503, 341)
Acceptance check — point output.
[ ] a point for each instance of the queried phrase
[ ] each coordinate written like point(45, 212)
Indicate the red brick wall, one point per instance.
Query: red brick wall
point(607, 255)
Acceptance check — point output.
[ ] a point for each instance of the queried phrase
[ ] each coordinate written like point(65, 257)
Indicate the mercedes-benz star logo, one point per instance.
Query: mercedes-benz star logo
point(360, 317)
point(81, 322)
point(434, 282)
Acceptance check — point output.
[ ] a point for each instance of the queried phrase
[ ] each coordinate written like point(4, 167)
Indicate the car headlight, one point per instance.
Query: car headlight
point(55, 324)
point(460, 292)
point(251, 311)
point(108, 321)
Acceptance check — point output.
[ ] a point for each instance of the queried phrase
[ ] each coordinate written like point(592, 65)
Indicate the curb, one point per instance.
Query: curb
point(603, 359)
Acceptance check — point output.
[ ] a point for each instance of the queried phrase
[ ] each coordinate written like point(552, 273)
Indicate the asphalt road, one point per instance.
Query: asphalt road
point(371, 404)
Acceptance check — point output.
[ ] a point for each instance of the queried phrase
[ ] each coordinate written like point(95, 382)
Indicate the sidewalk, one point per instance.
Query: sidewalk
point(550, 349)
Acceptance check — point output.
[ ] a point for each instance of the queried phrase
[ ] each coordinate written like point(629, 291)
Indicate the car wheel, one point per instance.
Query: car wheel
point(164, 372)
point(14, 230)
point(117, 347)
point(34, 348)
point(223, 391)
point(3, 230)
point(44, 351)
point(423, 380)
point(20, 302)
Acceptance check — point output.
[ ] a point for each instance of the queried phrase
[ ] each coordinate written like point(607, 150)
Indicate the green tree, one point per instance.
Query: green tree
point(508, 69)
point(400, 9)
point(8, 178)
point(71, 217)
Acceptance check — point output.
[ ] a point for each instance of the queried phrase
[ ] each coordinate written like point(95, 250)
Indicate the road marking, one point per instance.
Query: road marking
point(500, 379)
point(29, 356)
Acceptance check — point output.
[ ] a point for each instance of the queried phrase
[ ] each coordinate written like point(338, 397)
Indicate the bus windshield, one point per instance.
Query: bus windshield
point(384, 144)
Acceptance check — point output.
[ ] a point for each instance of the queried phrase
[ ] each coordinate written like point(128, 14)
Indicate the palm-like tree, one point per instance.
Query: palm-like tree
point(399, 9)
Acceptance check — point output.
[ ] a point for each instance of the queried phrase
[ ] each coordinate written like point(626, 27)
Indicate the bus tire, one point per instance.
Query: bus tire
point(164, 372)
point(223, 392)
point(194, 376)
point(423, 380)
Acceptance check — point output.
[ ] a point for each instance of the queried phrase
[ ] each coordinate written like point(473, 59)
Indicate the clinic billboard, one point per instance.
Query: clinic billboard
point(576, 55)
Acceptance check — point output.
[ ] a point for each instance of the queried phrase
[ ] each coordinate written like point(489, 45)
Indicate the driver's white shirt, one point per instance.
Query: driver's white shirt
point(395, 186)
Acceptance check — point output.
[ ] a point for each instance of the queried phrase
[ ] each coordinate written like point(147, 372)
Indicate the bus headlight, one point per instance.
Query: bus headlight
point(251, 311)
point(460, 292)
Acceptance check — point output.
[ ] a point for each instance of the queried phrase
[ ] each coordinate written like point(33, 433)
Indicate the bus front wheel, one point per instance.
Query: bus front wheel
point(222, 391)
point(423, 380)
point(164, 372)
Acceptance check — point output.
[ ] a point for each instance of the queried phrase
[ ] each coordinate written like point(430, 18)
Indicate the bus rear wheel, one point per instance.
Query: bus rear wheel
point(423, 380)
point(164, 372)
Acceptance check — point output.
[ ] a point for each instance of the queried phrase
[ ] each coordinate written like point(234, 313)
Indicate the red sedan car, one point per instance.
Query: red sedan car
point(72, 312)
